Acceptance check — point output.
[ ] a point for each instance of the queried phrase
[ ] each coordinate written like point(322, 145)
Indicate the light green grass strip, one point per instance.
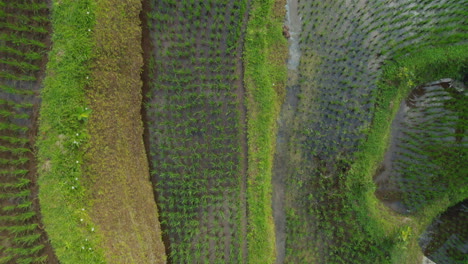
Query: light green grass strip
point(62, 135)
point(263, 37)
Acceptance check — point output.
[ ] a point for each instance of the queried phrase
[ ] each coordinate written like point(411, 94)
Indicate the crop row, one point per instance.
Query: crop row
point(23, 37)
point(195, 127)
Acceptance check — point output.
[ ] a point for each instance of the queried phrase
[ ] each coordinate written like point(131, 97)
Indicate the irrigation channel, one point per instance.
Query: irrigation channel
point(24, 42)
point(293, 25)
point(337, 50)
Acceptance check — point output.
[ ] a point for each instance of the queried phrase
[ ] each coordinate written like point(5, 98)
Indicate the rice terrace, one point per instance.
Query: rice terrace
point(234, 131)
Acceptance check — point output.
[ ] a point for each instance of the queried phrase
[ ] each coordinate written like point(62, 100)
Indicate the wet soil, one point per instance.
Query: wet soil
point(146, 48)
point(280, 170)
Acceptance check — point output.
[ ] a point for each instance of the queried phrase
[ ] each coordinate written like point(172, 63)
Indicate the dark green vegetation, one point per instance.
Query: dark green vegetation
point(196, 123)
point(340, 128)
point(214, 79)
point(397, 82)
point(23, 38)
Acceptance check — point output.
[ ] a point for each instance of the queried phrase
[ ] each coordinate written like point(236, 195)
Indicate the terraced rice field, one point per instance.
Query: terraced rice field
point(23, 50)
point(196, 123)
point(344, 46)
point(167, 131)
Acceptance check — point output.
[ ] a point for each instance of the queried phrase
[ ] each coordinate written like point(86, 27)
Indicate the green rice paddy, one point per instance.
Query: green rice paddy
point(164, 131)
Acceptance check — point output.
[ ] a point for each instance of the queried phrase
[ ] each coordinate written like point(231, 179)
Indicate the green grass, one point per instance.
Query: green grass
point(62, 135)
point(264, 79)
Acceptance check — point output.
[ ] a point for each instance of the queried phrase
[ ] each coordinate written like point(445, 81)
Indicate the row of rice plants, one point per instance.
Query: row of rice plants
point(23, 49)
point(343, 46)
point(195, 128)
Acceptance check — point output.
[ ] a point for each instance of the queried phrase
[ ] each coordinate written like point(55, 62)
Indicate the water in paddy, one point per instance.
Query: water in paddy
point(427, 149)
point(446, 238)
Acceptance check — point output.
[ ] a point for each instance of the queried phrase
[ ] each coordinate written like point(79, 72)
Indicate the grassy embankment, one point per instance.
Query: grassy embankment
point(94, 181)
point(397, 80)
point(265, 52)
point(63, 135)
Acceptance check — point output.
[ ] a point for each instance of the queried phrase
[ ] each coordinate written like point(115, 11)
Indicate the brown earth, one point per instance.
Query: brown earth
point(123, 204)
